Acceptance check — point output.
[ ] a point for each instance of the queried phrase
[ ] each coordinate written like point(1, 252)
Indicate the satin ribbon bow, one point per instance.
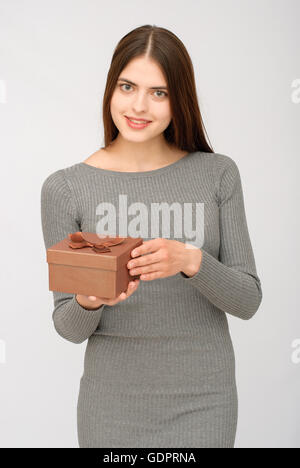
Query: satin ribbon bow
point(78, 240)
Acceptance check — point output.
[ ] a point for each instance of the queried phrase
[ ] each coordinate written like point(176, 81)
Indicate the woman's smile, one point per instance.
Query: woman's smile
point(135, 124)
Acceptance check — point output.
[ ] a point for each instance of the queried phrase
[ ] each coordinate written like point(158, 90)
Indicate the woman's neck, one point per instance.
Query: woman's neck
point(153, 159)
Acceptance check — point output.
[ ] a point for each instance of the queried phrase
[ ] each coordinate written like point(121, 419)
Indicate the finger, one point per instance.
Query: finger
point(145, 260)
point(135, 283)
point(151, 276)
point(131, 287)
point(92, 298)
point(146, 269)
point(148, 246)
point(122, 295)
point(129, 291)
point(117, 299)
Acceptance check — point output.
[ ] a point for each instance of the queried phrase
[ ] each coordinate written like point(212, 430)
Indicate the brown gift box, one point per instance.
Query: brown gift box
point(94, 267)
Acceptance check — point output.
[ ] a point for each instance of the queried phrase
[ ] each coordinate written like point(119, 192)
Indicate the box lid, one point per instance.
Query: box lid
point(61, 253)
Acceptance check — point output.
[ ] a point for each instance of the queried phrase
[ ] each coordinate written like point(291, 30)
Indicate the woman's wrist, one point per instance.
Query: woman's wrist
point(192, 261)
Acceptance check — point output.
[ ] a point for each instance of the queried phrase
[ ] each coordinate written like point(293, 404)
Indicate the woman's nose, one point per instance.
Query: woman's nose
point(140, 103)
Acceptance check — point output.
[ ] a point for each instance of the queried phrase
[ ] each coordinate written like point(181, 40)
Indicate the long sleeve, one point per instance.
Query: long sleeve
point(230, 282)
point(59, 217)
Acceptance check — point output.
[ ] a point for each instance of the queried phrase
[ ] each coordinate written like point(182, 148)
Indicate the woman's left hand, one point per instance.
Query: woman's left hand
point(165, 257)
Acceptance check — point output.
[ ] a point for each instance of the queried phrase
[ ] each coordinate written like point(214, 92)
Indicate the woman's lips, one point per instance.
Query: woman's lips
point(138, 119)
point(136, 125)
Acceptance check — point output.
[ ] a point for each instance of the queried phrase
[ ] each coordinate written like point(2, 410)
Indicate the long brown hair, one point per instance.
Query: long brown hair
point(186, 129)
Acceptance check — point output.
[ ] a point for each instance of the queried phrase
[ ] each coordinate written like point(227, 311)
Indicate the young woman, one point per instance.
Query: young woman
point(159, 366)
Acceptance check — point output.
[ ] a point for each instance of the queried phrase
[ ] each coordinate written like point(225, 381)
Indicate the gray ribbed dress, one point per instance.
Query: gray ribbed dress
point(159, 367)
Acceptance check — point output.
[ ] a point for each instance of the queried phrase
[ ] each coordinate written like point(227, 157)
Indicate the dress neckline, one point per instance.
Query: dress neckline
point(123, 174)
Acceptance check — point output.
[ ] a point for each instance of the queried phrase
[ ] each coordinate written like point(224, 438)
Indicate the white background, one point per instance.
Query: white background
point(54, 59)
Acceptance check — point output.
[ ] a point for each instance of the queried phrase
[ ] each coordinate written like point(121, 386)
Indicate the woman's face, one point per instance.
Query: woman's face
point(137, 99)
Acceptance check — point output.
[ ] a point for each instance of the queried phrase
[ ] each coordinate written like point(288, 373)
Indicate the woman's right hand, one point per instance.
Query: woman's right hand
point(93, 302)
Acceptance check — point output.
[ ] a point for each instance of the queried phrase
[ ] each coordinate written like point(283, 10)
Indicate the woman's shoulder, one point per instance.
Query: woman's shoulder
point(64, 175)
point(60, 180)
point(220, 159)
point(53, 179)
point(225, 161)
point(54, 186)
point(214, 163)
point(220, 168)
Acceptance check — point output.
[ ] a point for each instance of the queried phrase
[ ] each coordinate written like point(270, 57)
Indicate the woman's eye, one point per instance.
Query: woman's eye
point(124, 85)
point(162, 93)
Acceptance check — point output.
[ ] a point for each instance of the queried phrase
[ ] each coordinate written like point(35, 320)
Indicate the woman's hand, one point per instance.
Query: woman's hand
point(94, 302)
point(165, 257)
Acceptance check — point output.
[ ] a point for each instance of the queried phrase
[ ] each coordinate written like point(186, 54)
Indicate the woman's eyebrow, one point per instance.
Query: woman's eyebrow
point(131, 82)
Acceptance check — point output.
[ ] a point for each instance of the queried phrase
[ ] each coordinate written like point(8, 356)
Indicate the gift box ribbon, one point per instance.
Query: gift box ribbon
point(78, 240)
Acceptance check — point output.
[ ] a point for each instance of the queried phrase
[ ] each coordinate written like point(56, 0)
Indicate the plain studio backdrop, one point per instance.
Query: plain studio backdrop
point(54, 62)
